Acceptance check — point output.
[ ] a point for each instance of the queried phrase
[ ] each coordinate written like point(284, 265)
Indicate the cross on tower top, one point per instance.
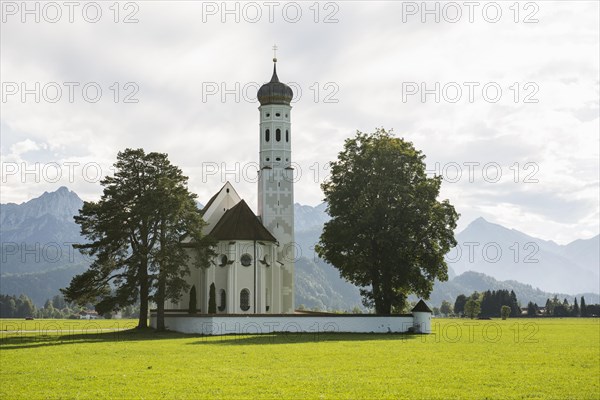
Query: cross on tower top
point(274, 53)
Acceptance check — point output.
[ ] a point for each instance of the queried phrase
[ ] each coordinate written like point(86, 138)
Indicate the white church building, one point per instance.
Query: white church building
point(253, 270)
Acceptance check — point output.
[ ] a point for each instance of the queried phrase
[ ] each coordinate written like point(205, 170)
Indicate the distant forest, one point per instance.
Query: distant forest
point(489, 304)
point(56, 307)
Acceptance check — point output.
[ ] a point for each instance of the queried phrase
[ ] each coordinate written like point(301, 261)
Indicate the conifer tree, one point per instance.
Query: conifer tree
point(583, 308)
point(575, 308)
point(212, 299)
point(134, 235)
point(532, 309)
point(193, 300)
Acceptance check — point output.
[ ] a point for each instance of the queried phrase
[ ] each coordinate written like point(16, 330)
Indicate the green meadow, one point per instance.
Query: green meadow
point(513, 359)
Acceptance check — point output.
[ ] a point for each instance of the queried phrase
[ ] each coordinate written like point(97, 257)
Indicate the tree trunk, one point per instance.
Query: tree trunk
point(143, 275)
point(381, 305)
point(376, 284)
point(160, 304)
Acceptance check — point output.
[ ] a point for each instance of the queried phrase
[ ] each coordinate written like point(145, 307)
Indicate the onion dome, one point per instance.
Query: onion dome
point(275, 92)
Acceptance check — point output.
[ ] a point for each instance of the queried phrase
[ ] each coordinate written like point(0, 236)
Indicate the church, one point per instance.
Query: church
point(253, 270)
point(249, 286)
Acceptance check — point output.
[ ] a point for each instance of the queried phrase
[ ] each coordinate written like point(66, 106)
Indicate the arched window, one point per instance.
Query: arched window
point(223, 300)
point(278, 135)
point(267, 135)
point(245, 299)
point(267, 299)
point(287, 135)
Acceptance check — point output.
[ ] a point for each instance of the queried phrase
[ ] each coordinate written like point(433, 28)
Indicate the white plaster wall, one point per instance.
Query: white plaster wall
point(223, 325)
point(226, 199)
point(422, 322)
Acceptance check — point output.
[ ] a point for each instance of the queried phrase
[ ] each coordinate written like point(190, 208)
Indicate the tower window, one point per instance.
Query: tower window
point(287, 135)
point(223, 298)
point(268, 115)
point(268, 159)
point(277, 114)
point(267, 135)
point(245, 299)
point(286, 115)
point(278, 159)
point(278, 135)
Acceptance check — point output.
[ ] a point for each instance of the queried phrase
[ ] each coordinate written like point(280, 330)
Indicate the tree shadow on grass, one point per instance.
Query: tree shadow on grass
point(301, 337)
point(41, 339)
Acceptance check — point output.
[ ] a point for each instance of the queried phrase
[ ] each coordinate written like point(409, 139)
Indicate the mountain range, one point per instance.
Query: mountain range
point(37, 258)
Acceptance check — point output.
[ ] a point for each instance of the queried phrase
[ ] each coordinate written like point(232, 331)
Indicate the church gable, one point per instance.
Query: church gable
point(225, 199)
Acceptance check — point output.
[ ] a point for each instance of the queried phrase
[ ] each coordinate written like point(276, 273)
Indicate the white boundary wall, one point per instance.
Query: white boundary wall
point(259, 324)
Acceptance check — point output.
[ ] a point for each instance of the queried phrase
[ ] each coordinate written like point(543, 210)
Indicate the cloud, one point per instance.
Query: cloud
point(352, 75)
point(22, 147)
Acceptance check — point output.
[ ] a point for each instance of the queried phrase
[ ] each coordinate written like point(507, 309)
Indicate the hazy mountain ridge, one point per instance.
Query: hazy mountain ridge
point(471, 281)
point(48, 221)
point(507, 254)
point(45, 219)
point(573, 266)
point(318, 285)
point(308, 218)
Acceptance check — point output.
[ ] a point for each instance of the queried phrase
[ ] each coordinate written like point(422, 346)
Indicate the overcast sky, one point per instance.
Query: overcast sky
point(526, 156)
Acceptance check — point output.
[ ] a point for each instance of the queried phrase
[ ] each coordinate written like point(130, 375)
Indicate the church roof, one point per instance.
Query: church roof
point(240, 223)
point(421, 307)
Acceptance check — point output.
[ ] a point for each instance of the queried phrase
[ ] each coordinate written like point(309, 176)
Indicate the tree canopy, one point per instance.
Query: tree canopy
point(135, 234)
point(388, 232)
point(472, 307)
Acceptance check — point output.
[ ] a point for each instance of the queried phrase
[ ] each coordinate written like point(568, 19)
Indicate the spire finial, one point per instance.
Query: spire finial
point(274, 53)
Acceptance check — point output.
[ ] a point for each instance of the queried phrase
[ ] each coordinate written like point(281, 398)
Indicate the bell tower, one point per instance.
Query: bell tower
point(275, 183)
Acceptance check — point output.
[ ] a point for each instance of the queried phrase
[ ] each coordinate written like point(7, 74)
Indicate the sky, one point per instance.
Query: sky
point(501, 97)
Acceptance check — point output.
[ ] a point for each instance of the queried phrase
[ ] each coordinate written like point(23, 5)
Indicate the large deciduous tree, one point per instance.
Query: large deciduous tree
point(472, 307)
point(134, 235)
point(388, 232)
point(446, 308)
point(459, 304)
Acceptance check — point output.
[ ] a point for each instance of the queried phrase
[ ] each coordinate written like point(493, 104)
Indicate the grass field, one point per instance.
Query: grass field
point(513, 359)
point(66, 325)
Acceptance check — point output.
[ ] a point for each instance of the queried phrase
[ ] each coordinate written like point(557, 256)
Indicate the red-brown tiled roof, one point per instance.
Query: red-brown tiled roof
point(240, 223)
